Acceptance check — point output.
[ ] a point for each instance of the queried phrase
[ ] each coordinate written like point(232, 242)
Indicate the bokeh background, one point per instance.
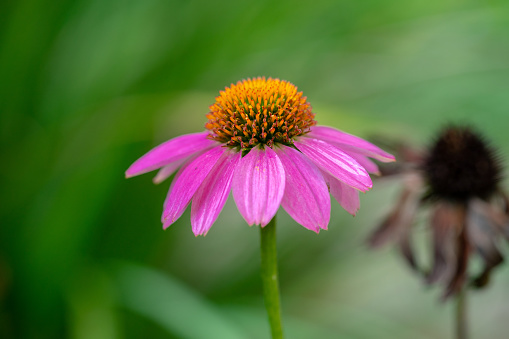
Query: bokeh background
point(88, 86)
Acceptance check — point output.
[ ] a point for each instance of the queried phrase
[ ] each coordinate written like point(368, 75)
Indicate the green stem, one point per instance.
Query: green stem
point(270, 278)
point(461, 315)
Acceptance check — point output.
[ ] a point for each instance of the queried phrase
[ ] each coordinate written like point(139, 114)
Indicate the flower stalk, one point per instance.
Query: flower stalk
point(461, 315)
point(270, 279)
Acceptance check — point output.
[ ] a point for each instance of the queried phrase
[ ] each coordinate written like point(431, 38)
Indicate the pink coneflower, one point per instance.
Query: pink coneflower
point(262, 142)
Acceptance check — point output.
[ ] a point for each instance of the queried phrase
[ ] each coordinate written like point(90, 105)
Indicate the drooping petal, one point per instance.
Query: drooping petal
point(345, 195)
point(187, 181)
point(210, 198)
point(402, 216)
point(167, 170)
point(460, 272)
point(494, 217)
point(406, 249)
point(259, 185)
point(483, 234)
point(335, 162)
point(348, 142)
point(170, 151)
point(398, 224)
point(447, 222)
point(306, 198)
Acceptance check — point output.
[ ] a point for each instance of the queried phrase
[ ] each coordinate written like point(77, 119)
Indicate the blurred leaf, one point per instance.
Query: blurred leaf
point(91, 299)
point(172, 305)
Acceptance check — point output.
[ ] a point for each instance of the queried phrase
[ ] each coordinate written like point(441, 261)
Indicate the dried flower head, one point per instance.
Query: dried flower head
point(460, 166)
point(262, 142)
point(459, 180)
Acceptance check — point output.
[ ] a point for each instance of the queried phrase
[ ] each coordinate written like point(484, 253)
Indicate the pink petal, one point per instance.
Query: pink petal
point(348, 142)
point(167, 170)
point(213, 193)
point(187, 181)
point(170, 151)
point(346, 196)
point(259, 185)
point(306, 197)
point(365, 162)
point(175, 179)
point(336, 162)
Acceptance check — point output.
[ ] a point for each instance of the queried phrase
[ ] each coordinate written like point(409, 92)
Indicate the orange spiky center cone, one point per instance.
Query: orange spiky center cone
point(259, 111)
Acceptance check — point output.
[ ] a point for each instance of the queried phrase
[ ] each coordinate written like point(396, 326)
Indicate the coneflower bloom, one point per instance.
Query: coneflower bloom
point(262, 142)
point(458, 180)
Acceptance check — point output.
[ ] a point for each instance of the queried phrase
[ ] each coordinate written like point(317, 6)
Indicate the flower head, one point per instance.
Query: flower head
point(458, 179)
point(259, 111)
point(460, 166)
point(262, 142)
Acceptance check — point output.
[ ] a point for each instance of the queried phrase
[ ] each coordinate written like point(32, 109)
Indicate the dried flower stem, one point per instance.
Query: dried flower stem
point(461, 315)
point(270, 278)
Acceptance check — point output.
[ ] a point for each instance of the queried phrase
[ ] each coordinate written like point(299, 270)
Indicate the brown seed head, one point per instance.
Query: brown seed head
point(461, 165)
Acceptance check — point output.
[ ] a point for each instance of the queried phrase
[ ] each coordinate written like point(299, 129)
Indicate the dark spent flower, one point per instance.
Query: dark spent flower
point(262, 143)
point(458, 179)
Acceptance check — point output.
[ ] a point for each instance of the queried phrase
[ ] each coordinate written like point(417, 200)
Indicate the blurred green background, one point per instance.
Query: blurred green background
point(86, 87)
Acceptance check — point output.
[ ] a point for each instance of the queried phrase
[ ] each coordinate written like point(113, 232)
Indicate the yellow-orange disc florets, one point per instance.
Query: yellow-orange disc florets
point(259, 111)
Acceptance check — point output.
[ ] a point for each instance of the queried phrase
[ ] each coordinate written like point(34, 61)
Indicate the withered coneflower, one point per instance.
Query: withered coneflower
point(458, 178)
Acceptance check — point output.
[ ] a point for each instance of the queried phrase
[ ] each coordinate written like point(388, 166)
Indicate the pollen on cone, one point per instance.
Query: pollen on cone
point(259, 111)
